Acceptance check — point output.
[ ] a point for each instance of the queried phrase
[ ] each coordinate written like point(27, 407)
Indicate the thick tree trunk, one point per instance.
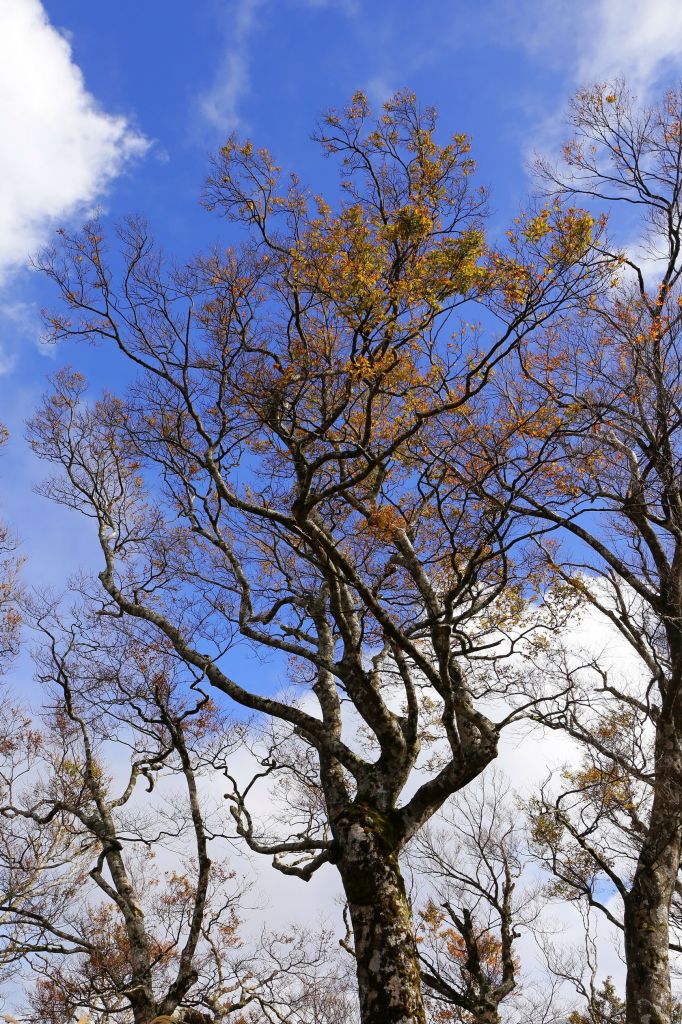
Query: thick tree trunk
point(383, 932)
point(648, 992)
point(144, 1013)
point(487, 1015)
point(647, 908)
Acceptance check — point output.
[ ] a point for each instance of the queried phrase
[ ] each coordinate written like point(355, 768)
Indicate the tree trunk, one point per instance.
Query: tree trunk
point(383, 932)
point(144, 1013)
point(487, 1015)
point(647, 907)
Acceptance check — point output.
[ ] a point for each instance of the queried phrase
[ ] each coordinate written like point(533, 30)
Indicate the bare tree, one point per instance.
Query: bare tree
point(322, 992)
point(111, 898)
point(471, 862)
point(577, 967)
point(589, 819)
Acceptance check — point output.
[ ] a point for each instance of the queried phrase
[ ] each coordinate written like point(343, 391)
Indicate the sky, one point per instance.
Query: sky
point(115, 108)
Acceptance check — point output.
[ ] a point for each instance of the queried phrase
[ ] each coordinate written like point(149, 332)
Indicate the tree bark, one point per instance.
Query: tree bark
point(488, 1015)
point(144, 1012)
point(383, 932)
point(647, 907)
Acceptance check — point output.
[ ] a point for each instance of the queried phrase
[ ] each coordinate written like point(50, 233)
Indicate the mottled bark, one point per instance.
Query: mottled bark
point(385, 945)
point(487, 1015)
point(144, 1013)
point(647, 907)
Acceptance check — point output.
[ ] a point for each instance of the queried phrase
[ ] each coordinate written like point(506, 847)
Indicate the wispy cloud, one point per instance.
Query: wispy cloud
point(220, 105)
point(642, 41)
point(349, 7)
point(584, 42)
point(378, 89)
point(20, 325)
point(58, 149)
point(597, 40)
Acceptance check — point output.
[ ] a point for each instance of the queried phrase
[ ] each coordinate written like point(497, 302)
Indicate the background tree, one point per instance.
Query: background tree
point(111, 898)
point(470, 863)
point(606, 1007)
point(324, 991)
point(589, 820)
point(274, 472)
point(9, 587)
point(602, 402)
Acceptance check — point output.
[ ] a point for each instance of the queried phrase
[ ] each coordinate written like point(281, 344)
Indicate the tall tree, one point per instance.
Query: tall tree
point(603, 404)
point(274, 473)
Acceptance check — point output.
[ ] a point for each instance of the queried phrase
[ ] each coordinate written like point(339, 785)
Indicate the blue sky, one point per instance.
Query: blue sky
point(117, 106)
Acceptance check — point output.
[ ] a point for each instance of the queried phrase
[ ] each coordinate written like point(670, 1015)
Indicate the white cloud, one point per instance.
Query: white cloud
point(58, 149)
point(581, 43)
point(597, 40)
point(640, 41)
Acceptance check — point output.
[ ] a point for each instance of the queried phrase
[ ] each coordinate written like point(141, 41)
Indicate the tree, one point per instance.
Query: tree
point(9, 588)
point(588, 820)
point(603, 444)
point(471, 864)
point(607, 1008)
point(274, 472)
point(110, 893)
point(323, 993)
